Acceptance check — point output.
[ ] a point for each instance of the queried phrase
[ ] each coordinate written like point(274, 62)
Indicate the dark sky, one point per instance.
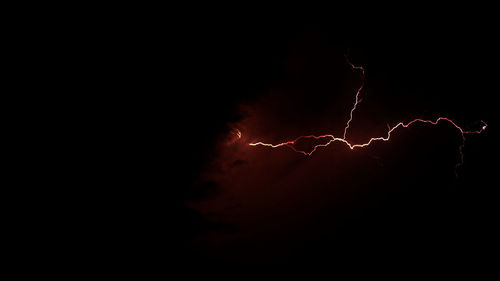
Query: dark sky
point(275, 80)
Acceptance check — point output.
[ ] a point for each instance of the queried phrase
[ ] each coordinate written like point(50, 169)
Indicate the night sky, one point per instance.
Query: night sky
point(274, 80)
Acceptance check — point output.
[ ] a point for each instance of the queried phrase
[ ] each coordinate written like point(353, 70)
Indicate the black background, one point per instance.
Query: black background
point(177, 81)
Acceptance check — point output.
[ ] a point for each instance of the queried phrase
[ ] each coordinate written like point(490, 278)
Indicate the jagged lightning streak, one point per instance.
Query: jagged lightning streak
point(332, 138)
point(357, 100)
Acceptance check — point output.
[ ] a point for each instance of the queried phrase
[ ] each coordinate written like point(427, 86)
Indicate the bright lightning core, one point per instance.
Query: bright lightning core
point(352, 146)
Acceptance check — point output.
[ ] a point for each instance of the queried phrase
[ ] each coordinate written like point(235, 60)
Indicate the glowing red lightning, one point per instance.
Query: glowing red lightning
point(332, 138)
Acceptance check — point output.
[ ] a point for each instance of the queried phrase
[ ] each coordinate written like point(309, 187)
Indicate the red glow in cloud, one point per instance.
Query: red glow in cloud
point(331, 138)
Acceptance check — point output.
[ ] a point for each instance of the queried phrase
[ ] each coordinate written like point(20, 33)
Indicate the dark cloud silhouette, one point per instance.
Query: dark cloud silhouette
point(399, 197)
point(236, 204)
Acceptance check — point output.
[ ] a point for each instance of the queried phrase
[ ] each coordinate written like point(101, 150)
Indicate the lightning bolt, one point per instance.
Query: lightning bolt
point(352, 146)
point(357, 100)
